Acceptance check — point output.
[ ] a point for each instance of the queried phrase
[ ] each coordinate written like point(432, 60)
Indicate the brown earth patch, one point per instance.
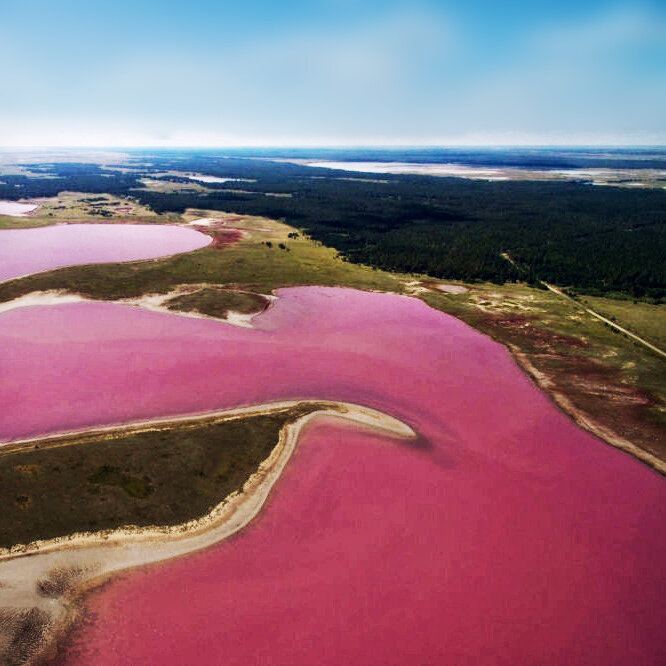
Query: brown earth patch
point(599, 393)
point(524, 331)
point(225, 237)
point(60, 580)
point(22, 634)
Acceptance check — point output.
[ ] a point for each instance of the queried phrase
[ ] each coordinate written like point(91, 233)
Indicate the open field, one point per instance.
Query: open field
point(644, 319)
point(655, 178)
point(156, 185)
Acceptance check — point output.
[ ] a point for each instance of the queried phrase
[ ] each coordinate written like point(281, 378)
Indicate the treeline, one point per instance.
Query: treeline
point(596, 239)
point(26, 187)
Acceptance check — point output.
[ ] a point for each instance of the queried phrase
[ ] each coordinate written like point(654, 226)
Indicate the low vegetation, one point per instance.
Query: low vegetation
point(645, 319)
point(162, 475)
point(218, 302)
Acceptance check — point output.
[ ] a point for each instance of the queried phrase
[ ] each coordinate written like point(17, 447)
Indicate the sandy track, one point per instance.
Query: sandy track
point(606, 321)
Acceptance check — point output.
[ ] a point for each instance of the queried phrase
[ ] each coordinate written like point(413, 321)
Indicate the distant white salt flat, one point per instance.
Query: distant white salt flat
point(407, 168)
point(213, 179)
point(16, 208)
point(604, 176)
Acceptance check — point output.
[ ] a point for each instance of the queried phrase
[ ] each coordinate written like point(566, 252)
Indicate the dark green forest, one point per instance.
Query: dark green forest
point(597, 240)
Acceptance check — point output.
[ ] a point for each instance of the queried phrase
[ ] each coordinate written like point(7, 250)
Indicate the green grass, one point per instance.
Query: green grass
point(160, 476)
point(218, 302)
point(10, 222)
point(644, 319)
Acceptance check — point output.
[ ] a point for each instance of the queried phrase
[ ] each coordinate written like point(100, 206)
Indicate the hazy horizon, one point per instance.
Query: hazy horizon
point(342, 146)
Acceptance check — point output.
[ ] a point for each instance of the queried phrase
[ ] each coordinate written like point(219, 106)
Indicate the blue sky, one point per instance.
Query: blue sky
point(332, 72)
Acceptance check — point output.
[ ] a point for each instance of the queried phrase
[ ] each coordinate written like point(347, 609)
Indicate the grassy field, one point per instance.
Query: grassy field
point(77, 207)
point(644, 319)
point(218, 302)
point(157, 476)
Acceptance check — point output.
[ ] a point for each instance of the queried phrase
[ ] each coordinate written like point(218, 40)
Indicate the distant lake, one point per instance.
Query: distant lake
point(25, 251)
point(16, 208)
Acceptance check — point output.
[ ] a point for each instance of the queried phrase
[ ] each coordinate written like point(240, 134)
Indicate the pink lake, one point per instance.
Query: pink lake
point(25, 251)
point(16, 208)
point(505, 535)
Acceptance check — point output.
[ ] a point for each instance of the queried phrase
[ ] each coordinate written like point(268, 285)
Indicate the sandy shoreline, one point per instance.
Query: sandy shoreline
point(152, 302)
point(544, 383)
point(72, 563)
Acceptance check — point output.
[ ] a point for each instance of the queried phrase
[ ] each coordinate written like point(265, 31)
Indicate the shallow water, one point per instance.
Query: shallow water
point(25, 251)
point(505, 535)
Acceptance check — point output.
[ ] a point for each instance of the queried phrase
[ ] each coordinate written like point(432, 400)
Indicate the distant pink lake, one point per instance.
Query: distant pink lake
point(16, 208)
point(504, 535)
point(25, 251)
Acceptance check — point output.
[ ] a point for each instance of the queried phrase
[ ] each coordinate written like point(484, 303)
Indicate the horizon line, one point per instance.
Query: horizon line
point(359, 146)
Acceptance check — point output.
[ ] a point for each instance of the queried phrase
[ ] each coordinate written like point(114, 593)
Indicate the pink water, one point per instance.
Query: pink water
point(505, 535)
point(25, 251)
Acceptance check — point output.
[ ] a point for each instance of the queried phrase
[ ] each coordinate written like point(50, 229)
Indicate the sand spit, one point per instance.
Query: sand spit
point(40, 581)
point(153, 302)
point(54, 297)
point(416, 287)
point(158, 303)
